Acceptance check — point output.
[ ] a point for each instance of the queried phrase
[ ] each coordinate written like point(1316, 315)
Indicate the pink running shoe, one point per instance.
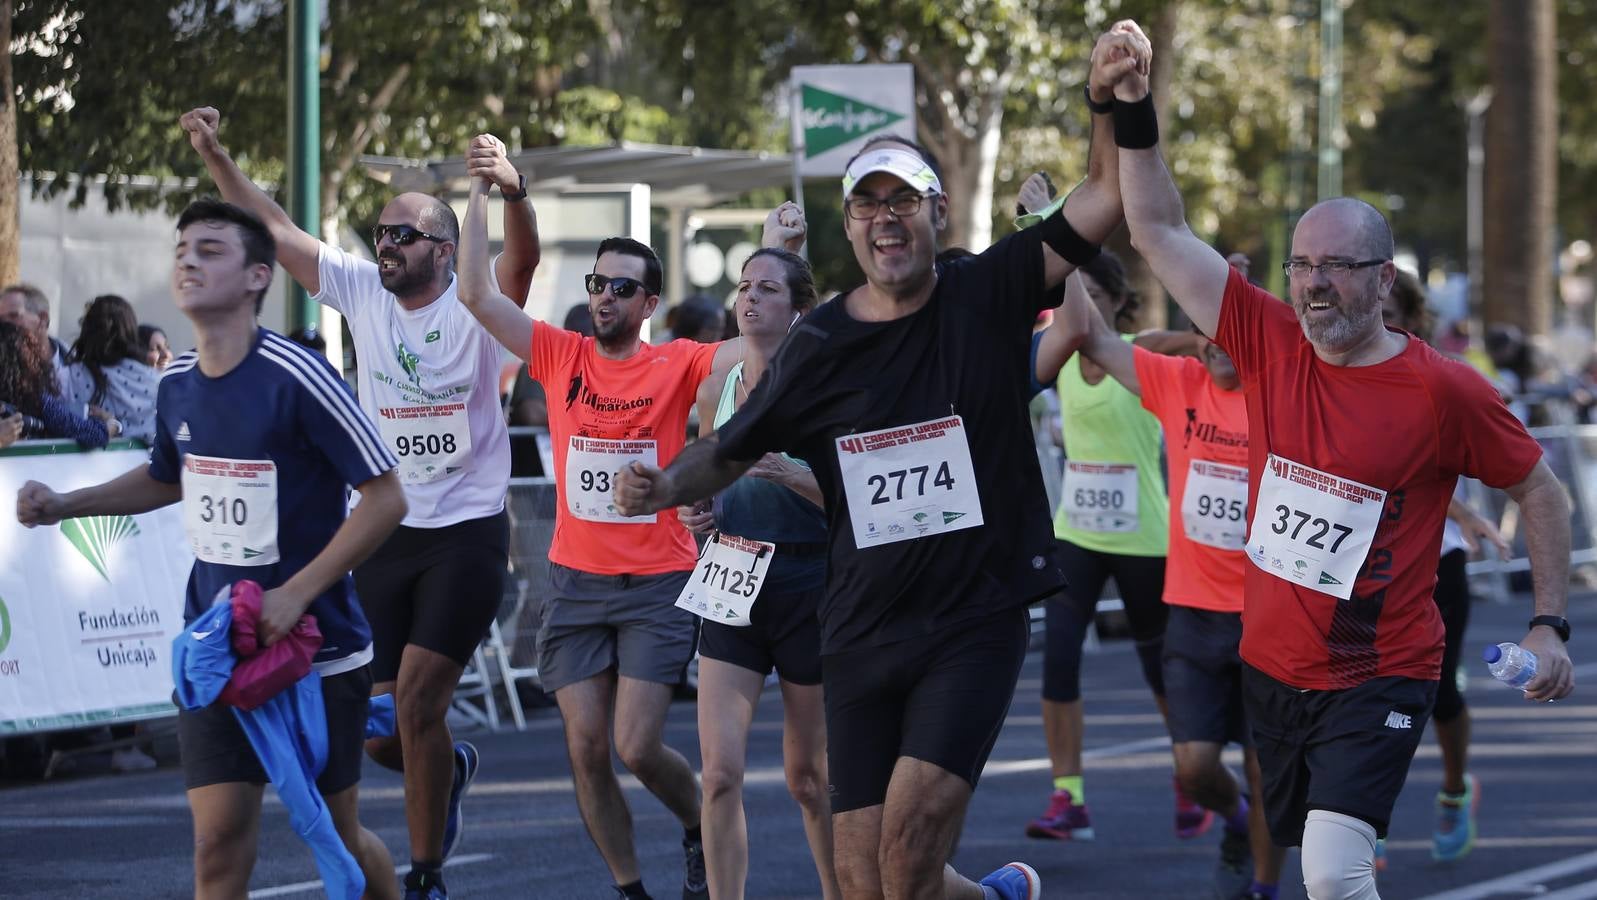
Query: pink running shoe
point(1191, 819)
point(1064, 820)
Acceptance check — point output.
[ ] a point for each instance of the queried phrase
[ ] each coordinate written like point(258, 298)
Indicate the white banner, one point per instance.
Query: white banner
point(836, 108)
point(88, 608)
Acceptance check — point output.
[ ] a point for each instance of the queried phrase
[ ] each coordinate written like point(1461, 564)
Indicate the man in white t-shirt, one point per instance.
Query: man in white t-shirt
point(428, 377)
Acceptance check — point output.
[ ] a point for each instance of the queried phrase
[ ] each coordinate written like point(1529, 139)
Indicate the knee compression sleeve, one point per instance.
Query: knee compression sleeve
point(1338, 857)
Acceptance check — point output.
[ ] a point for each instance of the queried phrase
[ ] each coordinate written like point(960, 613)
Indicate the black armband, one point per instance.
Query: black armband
point(1056, 232)
point(1136, 125)
point(1093, 106)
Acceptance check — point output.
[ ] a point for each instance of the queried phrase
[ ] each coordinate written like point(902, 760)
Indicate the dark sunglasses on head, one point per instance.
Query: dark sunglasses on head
point(403, 235)
point(623, 288)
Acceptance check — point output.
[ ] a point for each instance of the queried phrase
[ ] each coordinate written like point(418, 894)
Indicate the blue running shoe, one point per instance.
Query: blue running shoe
point(1454, 837)
point(1016, 881)
point(424, 887)
point(466, 762)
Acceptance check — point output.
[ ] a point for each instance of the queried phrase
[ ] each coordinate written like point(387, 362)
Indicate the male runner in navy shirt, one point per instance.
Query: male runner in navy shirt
point(252, 431)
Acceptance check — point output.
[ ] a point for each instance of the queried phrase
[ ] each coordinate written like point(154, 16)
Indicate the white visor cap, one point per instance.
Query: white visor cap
point(901, 164)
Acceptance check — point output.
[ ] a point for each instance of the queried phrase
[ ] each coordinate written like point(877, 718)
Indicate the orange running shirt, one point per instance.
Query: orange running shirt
point(612, 410)
point(1205, 430)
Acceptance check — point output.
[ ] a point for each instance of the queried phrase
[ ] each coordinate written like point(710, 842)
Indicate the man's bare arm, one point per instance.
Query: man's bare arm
point(696, 473)
point(297, 249)
point(1544, 513)
point(488, 158)
point(503, 319)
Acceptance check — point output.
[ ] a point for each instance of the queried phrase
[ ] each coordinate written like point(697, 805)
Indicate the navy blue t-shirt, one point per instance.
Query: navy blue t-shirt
point(283, 407)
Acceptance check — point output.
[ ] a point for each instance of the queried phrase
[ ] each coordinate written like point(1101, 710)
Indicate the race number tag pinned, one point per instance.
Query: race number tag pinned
point(1214, 505)
point(1313, 528)
point(1100, 496)
point(909, 482)
point(230, 510)
point(727, 580)
point(591, 467)
point(431, 441)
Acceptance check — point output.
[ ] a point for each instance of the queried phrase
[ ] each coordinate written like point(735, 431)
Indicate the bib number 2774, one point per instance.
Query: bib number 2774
point(909, 482)
point(889, 486)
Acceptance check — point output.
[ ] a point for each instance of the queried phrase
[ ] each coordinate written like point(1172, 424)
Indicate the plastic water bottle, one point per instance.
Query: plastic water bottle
point(1511, 664)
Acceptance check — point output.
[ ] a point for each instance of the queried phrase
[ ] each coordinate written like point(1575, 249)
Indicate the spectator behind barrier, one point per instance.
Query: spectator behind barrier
point(157, 352)
point(108, 367)
point(27, 307)
point(27, 381)
point(310, 338)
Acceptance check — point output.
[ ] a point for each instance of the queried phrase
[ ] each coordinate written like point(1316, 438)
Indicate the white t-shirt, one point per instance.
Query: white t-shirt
point(429, 378)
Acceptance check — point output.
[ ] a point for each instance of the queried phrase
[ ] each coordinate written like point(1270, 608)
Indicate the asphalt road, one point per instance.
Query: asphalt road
point(95, 834)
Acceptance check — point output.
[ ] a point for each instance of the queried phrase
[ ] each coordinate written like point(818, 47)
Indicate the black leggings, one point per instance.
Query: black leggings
point(1070, 614)
point(1452, 600)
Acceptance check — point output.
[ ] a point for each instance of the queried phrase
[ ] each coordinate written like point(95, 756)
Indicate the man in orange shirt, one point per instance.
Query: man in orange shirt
point(1205, 420)
point(612, 643)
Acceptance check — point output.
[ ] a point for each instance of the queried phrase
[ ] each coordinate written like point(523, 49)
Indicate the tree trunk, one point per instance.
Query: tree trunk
point(1153, 313)
point(1521, 165)
point(10, 179)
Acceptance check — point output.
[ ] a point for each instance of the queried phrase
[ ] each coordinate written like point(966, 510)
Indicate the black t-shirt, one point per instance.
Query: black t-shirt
point(965, 353)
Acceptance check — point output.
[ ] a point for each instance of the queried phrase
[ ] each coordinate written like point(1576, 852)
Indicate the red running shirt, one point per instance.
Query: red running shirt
point(1205, 424)
point(640, 399)
point(1409, 426)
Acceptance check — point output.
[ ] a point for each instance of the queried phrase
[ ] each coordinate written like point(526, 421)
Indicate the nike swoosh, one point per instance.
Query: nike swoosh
point(202, 635)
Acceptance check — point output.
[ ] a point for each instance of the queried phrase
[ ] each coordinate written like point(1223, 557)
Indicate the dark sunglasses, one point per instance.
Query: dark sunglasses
point(623, 288)
point(403, 235)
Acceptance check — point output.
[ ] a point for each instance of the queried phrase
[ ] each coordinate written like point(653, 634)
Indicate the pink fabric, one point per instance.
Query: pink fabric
point(263, 672)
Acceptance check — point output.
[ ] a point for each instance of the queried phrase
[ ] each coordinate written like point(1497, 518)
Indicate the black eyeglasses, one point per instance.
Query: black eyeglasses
point(1336, 268)
point(403, 235)
point(623, 288)
point(901, 205)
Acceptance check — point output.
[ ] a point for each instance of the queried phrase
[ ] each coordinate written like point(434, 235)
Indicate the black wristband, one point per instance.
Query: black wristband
point(519, 194)
point(1136, 125)
point(1096, 108)
point(1056, 232)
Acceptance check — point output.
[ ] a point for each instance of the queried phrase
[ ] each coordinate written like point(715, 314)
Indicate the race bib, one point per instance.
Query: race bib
point(230, 510)
point(1100, 496)
point(727, 580)
point(1214, 505)
point(431, 442)
point(1313, 528)
point(909, 482)
point(591, 467)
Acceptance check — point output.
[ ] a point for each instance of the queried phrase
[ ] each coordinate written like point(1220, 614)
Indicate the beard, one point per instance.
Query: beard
point(409, 277)
point(1352, 322)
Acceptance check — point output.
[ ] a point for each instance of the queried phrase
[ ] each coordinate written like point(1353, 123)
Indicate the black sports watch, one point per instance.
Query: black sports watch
point(1558, 624)
point(518, 195)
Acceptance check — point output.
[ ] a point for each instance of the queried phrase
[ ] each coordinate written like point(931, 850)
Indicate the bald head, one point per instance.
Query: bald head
point(1369, 234)
point(429, 214)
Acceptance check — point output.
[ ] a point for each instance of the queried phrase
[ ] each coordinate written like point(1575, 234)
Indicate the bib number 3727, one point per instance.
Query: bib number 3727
point(909, 482)
point(1313, 528)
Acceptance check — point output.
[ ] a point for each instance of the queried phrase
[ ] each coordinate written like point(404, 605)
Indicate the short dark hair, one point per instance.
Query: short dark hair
point(259, 246)
point(800, 278)
point(1110, 273)
point(927, 155)
point(653, 272)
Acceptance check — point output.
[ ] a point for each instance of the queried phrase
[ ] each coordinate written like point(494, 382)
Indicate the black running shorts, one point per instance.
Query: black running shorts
point(215, 750)
point(437, 588)
point(1203, 676)
point(941, 699)
point(1345, 751)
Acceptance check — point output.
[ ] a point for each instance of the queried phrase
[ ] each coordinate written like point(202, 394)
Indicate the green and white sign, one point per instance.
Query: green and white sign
point(89, 607)
point(837, 108)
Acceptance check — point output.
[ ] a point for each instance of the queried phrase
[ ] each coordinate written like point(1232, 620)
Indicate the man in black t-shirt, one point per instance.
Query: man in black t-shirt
point(908, 395)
